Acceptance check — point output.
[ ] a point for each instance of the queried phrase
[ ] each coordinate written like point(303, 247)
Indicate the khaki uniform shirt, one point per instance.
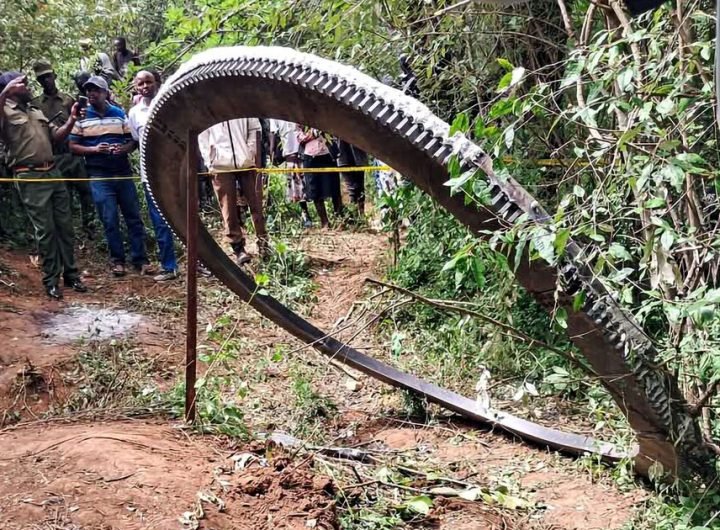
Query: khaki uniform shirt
point(51, 106)
point(27, 134)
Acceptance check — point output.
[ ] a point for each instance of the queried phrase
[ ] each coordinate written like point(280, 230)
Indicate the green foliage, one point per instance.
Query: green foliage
point(687, 511)
point(638, 185)
point(51, 29)
point(217, 412)
point(626, 111)
point(310, 405)
point(282, 216)
point(441, 260)
point(219, 389)
point(376, 517)
point(286, 274)
point(15, 230)
point(112, 374)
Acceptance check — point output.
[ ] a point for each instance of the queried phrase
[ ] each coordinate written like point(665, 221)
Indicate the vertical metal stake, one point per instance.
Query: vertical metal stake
point(192, 259)
point(260, 184)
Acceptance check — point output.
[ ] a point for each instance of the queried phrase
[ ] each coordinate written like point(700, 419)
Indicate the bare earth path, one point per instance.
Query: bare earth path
point(154, 474)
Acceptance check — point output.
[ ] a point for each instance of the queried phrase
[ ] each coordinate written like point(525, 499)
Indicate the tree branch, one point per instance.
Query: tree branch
point(469, 312)
point(566, 19)
point(204, 35)
point(587, 25)
point(696, 409)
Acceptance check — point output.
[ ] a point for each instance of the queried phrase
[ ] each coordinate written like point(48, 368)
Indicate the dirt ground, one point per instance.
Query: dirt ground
point(154, 474)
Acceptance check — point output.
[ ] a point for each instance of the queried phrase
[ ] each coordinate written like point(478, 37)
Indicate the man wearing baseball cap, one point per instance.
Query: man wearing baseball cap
point(56, 106)
point(103, 138)
point(29, 136)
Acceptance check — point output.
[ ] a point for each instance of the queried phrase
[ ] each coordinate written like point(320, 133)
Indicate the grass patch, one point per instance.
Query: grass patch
point(112, 374)
point(311, 409)
point(287, 276)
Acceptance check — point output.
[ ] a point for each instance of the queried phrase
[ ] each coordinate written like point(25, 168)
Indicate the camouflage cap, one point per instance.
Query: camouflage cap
point(41, 68)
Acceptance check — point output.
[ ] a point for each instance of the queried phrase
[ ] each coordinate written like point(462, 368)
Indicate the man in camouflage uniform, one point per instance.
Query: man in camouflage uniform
point(29, 136)
point(56, 106)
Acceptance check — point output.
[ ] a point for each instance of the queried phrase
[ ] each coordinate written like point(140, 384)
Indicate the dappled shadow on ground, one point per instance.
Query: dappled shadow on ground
point(149, 475)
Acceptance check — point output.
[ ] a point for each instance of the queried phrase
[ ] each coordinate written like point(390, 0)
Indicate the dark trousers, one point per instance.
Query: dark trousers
point(112, 197)
point(355, 183)
point(73, 167)
point(48, 207)
point(321, 186)
point(163, 234)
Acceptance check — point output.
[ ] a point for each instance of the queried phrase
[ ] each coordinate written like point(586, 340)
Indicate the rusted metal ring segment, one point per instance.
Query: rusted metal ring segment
point(228, 83)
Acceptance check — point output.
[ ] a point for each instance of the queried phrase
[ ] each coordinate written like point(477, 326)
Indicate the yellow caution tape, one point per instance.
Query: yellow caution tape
point(349, 169)
point(547, 162)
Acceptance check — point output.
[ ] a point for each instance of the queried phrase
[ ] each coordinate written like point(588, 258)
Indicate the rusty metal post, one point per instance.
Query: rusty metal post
point(260, 184)
point(193, 160)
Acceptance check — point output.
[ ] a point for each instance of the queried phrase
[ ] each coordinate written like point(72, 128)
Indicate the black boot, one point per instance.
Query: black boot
point(54, 292)
point(76, 285)
point(241, 257)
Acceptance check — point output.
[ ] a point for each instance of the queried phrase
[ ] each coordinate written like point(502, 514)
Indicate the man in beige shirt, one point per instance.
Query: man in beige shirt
point(226, 147)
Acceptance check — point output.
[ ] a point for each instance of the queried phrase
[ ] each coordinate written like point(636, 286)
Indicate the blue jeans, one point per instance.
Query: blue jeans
point(112, 197)
point(163, 234)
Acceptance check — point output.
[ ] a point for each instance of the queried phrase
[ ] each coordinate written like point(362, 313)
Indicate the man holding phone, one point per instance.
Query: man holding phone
point(29, 136)
point(56, 106)
point(104, 139)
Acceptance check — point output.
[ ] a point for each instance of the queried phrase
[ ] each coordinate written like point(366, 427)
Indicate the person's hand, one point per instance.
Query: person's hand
point(104, 148)
point(16, 86)
point(116, 149)
point(75, 112)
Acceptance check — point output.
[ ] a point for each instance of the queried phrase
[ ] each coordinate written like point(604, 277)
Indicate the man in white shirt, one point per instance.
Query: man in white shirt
point(285, 132)
point(226, 147)
point(147, 85)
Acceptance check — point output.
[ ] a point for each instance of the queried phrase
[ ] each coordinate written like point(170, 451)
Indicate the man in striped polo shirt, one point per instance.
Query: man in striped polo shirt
point(104, 139)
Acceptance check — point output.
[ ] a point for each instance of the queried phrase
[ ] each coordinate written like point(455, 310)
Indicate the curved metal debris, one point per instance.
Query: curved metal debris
point(226, 83)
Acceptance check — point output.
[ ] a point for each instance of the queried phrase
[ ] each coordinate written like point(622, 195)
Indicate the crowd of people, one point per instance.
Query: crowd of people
point(62, 145)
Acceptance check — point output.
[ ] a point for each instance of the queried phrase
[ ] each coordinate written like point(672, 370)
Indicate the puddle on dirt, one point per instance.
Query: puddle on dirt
point(89, 323)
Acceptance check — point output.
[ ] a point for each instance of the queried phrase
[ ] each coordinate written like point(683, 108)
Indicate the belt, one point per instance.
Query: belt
point(47, 166)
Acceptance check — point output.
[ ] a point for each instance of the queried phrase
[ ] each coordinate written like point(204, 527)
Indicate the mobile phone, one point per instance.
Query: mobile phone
point(82, 102)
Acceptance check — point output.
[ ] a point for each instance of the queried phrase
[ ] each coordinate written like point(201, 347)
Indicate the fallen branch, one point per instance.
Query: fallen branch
point(696, 409)
point(118, 479)
point(341, 453)
point(480, 316)
point(710, 444)
point(357, 455)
